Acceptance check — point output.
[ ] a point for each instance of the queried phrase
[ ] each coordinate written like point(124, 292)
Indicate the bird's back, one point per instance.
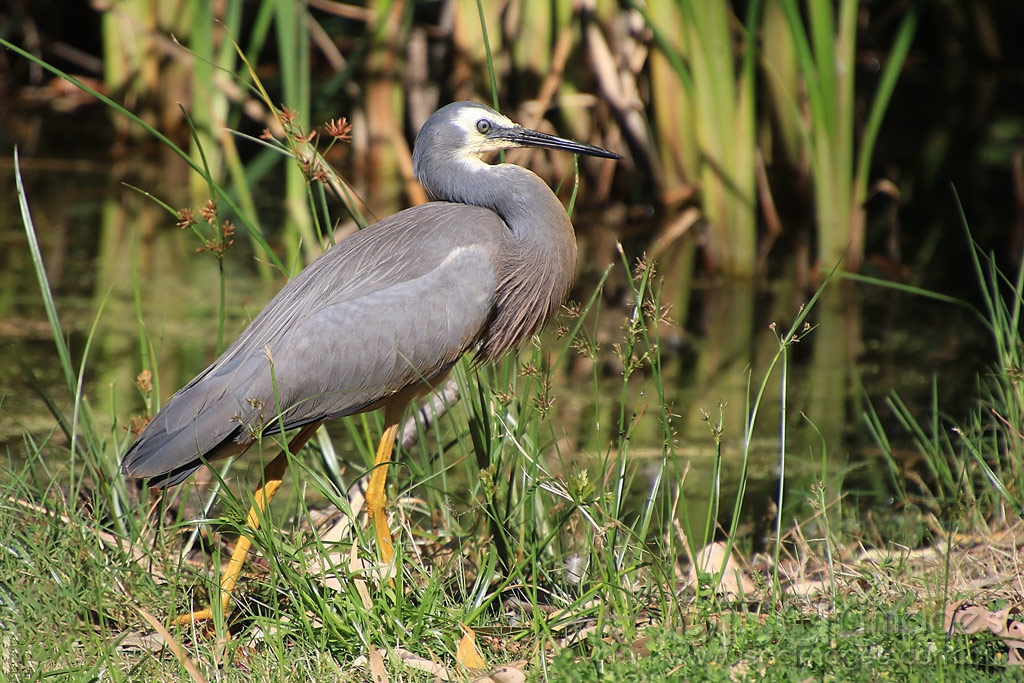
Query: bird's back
point(385, 309)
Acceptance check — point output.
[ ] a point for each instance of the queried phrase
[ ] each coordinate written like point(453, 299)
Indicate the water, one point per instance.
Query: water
point(124, 276)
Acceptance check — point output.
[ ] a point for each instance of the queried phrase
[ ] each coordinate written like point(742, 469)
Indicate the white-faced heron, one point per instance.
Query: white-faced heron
point(382, 316)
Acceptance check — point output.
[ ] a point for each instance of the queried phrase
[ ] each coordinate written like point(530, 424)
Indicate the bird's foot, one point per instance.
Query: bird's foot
point(204, 618)
point(195, 618)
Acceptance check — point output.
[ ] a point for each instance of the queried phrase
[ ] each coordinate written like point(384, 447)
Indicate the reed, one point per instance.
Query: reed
point(825, 40)
point(699, 42)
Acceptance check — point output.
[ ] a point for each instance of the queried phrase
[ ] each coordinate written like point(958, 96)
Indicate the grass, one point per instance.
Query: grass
point(861, 641)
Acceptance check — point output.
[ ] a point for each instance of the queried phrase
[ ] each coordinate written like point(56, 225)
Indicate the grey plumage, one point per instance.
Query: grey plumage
point(386, 312)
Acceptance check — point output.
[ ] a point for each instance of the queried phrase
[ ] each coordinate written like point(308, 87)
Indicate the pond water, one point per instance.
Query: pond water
point(117, 263)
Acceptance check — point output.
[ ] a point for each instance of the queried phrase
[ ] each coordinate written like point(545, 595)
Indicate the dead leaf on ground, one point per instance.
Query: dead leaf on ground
point(136, 641)
point(408, 659)
point(510, 673)
point(468, 654)
point(378, 672)
point(735, 582)
point(970, 619)
point(356, 566)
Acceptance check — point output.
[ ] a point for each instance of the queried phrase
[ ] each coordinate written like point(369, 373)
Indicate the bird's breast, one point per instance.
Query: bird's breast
point(534, 275)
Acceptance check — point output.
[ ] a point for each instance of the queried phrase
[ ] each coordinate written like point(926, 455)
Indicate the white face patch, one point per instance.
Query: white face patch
point(478, 144)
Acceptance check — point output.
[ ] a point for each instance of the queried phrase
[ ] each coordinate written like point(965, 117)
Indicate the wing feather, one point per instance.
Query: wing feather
point(390, 307)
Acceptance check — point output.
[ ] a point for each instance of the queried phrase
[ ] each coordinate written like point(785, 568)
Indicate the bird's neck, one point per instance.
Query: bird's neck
point(528, 206)
point(537, 268)
point(525, 202)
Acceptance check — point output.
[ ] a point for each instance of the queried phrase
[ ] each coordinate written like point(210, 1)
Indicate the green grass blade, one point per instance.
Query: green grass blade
point(886, 86)
point(44, 283)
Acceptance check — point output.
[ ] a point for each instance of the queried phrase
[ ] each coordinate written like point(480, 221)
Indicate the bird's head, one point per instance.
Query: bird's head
point(456, 137)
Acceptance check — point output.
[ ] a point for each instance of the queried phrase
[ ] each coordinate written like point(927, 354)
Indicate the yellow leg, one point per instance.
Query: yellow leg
point(273, 475)
point(375, 496)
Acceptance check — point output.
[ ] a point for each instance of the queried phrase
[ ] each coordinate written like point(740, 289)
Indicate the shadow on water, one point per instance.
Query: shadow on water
point(106, 246)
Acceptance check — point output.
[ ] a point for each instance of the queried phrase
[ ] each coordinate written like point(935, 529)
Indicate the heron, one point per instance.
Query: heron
point(381, 317)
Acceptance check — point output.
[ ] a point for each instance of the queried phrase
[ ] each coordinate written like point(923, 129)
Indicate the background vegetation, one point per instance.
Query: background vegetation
point(803, 133)
point(768, 143)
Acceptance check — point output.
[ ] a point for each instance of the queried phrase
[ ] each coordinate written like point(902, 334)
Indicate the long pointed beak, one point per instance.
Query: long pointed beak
point(525, 137)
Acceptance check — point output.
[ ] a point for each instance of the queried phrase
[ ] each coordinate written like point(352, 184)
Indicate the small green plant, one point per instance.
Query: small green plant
point(972, 469)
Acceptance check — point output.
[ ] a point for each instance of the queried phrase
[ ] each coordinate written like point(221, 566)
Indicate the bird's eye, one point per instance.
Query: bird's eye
point(483, 126)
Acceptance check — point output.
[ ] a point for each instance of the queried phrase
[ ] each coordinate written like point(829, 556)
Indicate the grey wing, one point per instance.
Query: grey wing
point(390, 307)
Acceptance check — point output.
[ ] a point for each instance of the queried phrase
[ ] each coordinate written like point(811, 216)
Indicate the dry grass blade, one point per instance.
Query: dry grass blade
point(173, 645)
